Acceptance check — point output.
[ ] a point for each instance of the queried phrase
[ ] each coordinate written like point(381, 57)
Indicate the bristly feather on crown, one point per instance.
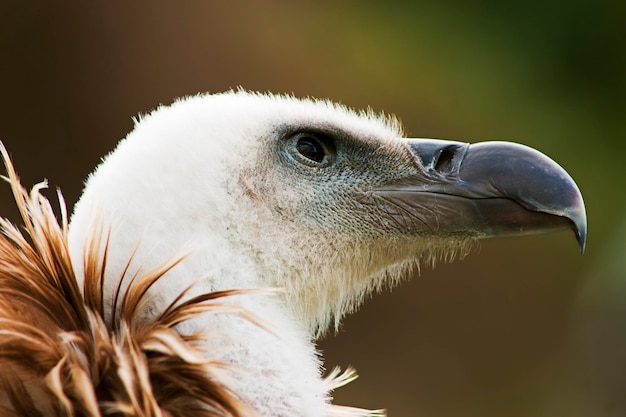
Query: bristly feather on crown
point(59, 355)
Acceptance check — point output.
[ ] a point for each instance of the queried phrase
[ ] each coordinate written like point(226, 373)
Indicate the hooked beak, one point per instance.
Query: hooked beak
point(487, 189)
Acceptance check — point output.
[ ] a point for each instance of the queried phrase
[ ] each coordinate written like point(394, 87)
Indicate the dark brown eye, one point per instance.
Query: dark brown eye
point(311, 148)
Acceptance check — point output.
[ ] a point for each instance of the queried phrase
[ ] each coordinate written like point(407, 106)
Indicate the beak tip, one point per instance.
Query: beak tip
point(578, 217)
point(572, 207)
point(580, 228)
point(581, 237)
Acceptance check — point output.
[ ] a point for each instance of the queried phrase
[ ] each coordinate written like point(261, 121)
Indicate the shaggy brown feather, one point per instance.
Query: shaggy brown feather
point(59, 356)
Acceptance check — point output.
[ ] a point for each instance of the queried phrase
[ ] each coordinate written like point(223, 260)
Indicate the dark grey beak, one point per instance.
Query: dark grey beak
point(489, 189)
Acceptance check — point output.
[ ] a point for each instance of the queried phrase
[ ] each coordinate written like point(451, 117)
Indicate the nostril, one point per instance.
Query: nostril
point(445, 159)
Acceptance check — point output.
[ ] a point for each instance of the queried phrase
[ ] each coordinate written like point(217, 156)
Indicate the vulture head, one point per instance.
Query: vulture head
point(327, 204)
point(311, 197)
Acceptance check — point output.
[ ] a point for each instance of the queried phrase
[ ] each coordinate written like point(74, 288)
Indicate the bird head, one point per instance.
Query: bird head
point(309, 196)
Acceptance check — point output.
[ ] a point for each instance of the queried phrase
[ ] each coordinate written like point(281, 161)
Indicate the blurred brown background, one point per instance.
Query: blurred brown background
point(522, 327)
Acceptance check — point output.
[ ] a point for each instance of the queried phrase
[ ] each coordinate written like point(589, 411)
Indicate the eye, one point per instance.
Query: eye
point(312, 149)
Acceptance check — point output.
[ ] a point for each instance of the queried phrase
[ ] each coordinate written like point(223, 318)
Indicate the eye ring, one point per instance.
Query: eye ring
point(312, 149)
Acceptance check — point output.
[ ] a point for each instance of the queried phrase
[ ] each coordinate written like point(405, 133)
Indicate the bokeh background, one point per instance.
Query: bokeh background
point(522, 327)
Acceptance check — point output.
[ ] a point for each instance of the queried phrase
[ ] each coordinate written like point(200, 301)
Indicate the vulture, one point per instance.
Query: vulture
point(224, 235)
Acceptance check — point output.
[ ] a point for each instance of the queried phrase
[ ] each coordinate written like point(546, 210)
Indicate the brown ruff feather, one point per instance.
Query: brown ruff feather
point(58, 355)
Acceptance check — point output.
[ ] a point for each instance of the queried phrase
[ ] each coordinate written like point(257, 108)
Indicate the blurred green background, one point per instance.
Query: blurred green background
point(522, 327)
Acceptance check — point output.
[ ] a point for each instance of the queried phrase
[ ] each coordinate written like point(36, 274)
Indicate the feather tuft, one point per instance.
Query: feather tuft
point(337, 379)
